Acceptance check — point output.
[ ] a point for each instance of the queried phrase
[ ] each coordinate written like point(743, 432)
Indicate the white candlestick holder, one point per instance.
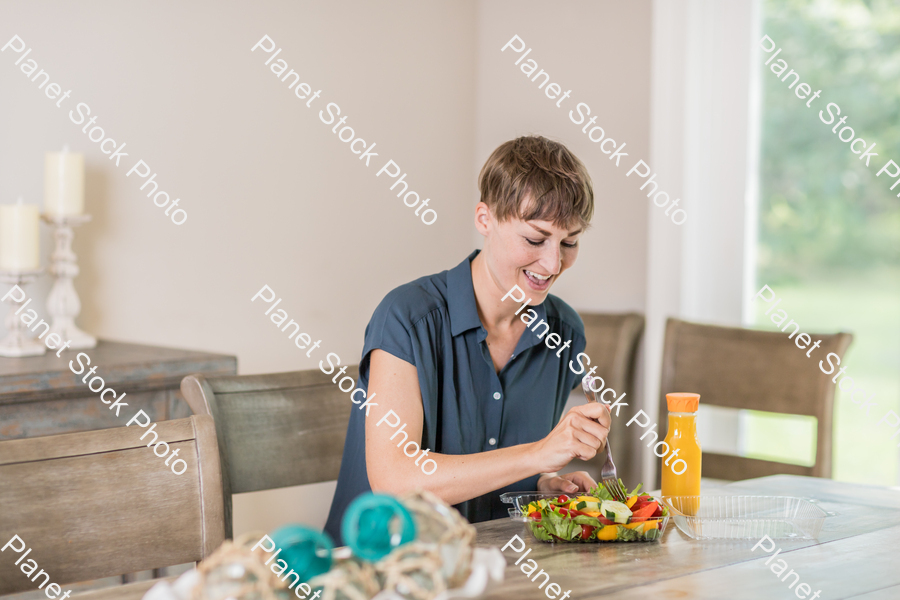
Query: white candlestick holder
point(16, 343)
point(63, 303)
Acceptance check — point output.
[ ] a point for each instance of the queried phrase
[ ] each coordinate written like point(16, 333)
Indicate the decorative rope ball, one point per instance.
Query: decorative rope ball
point(412, 571)
point(442, 528)
point(348, 580)
point(236, 571)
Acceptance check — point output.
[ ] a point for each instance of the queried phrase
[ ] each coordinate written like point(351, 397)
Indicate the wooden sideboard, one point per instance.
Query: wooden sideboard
point(40, 395)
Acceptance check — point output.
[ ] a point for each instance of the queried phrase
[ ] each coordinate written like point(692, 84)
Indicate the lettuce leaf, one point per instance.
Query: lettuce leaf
point(627, 535)
point(601, 492)
point(560, 526)
point(539, 532)
point(586, 520)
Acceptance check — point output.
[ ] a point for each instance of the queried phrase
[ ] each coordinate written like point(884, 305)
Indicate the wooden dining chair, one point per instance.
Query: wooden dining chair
point(275, 430)
point(749, 369)
point(612, 343)
point(100, 503)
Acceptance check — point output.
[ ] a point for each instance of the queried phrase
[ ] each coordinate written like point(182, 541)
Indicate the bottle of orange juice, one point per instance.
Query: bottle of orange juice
point(681, 467)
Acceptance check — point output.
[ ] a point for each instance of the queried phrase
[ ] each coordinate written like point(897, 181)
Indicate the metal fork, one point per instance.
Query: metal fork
point(608, 476)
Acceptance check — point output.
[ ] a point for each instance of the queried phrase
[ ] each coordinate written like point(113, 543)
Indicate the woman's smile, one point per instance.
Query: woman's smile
point(537, 281)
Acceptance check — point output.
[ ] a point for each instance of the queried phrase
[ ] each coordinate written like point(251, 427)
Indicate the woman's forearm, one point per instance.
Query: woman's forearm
point(458, 477)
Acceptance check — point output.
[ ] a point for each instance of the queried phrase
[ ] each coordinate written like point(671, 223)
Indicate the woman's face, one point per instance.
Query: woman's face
point(529, 254)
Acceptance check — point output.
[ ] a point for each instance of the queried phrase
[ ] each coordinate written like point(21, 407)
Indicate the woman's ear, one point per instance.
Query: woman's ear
point(483, 218)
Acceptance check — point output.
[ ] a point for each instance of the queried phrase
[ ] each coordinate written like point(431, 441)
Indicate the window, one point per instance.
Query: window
point(829, 230)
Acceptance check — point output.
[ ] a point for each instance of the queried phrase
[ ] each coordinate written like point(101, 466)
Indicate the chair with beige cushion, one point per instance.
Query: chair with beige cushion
point(612, 343)
point(275, 430)
point(749, 369)
point(100, 503)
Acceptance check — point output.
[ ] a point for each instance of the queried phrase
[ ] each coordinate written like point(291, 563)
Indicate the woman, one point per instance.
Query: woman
point(457, 363)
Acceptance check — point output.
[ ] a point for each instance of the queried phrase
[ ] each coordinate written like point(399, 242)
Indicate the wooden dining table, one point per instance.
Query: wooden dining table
point(853, 557)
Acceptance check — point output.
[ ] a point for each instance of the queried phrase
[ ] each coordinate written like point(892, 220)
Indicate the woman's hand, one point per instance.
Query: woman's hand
point(570, 483)
point(581, 433)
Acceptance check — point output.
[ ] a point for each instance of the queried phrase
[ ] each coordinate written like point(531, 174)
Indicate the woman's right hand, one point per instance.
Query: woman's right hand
point(581, 433)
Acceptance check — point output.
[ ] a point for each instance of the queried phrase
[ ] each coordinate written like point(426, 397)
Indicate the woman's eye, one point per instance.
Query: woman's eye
point(540, 242)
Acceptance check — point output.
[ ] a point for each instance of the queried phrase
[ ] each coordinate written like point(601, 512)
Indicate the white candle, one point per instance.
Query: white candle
point(63, 184)
point(19, 235)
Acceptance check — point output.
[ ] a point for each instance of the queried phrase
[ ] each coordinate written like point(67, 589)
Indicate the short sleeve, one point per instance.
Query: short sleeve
point(393, 322)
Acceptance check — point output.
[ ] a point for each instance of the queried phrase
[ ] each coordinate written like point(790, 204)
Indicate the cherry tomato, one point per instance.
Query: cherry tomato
point(563, 498)
point(535, 515)
point(586, 531)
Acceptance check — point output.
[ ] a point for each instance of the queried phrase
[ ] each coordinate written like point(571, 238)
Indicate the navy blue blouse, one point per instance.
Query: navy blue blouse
point(433, 324)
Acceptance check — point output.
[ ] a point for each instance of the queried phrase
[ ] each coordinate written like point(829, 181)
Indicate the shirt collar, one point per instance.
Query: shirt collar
point(461, 297)
point(464, 310)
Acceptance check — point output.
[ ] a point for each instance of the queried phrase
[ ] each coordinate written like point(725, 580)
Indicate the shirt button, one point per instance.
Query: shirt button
point(492, 442)
point(496, 395)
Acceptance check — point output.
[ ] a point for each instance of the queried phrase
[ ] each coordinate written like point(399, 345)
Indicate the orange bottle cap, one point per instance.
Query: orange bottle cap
point(683, 402)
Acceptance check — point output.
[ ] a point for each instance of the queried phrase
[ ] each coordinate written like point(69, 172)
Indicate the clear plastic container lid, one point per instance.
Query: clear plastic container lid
point(746, 517)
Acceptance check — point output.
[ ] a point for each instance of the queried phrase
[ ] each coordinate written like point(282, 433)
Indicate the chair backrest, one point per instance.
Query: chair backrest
point(275, 430)
point(612, 343)
point(759, 370)
point(97, 504)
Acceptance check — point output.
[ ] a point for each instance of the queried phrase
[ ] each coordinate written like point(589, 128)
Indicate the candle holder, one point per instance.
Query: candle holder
point(63, 303)
point(16, 343)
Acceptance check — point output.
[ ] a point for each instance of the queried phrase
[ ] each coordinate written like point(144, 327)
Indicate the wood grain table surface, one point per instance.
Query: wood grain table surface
point(854, 556)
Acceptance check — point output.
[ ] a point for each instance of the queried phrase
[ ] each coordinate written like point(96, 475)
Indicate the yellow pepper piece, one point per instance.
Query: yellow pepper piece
point(607, 533)
point(574, 502)
point(591, 514)
point(644, 526)
point(630, 502)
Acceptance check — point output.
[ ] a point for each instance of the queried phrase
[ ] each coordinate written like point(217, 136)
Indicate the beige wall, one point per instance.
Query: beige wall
point(273, 197)
point(606, 67)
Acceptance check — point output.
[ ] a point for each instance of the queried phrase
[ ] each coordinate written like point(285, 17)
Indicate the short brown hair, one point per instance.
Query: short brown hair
point(533, 178)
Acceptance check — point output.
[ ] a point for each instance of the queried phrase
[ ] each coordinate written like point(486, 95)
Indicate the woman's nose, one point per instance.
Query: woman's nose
point(551, 261)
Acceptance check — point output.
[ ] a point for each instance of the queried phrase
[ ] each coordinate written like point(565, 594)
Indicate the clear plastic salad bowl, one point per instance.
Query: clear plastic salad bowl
point(562, 529)
point(746, 517)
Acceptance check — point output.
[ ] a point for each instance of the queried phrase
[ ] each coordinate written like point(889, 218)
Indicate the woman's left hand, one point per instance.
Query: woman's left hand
point(570, 483)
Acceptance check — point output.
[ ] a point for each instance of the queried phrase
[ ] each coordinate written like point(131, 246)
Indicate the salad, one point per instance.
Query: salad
point(596, 516)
